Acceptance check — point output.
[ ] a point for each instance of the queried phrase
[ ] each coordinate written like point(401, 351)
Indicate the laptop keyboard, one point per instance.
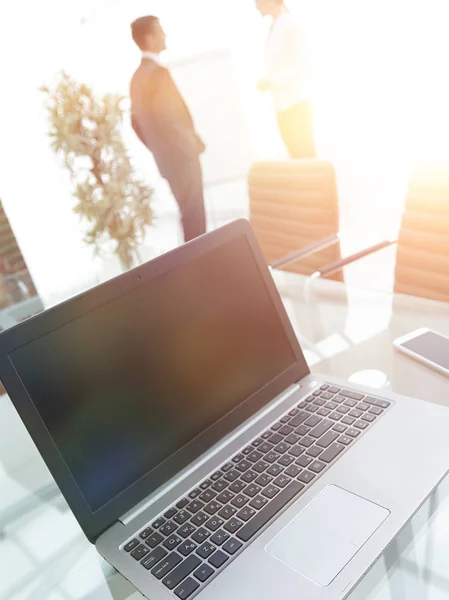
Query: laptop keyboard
point(201, 533)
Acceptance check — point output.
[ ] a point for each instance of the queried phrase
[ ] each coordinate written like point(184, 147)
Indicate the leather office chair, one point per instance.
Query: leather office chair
point(294, 213)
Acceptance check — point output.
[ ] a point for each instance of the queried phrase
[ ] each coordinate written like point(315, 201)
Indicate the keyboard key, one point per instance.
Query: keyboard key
point(186, 589)
point(339, 428)
point(286, 460)
point(237, 458)
point(168, 528)
point(225, 497)
point(208, 495)
point(195, 506)
point(355, 413)
point(182, 517)
point(343, 409)
point(275, 470)
point(216, 475)
point(183, 503)
point(307, 441)
point(331, 405)
point(306, 477)
point(243, 466)
point(206, 550)
point(334, 390)
point(321, 428)
point(246, 513)
point(181, 572)
point(317, 466)
point(186, 530)
point(323, 412)
point(256, 455)
point(374, 410)
point(299, 419)
point(258, 502)
point(312, 408)
point(268, 512)
point(233, 524)
point(266, 435)
point(344, 439)
point(316, 393)
point(166, 565)
point(326, 396)
point(377, 402)
point(212, 508)
point(361, 425)
point(239, 501)
point(285, 419)
point(332, 452)
point(172, 541)
point(140, 552)
point(227, 512)
point(335, 416)
point(264, 479)
point(293, 412)
point(214, 523)
point(272, 457)
point(206, 484)
point(146, 532)
point(220, 485)
point(154, 539)
point(199, 519)
point(204, 572)
point(237, 486)
point(251, 490)
point(171, 512)
point(281, 448)
point(369, 418)
point(296, 451)
point(303, 461)
point(249, 476)
point(286, 430)
point(325, 386)
point(186, 548)
point(218, 559)
point(352, 395)
point(232, 475)
point(158, 523)
point(348, 420)
point(292, 471)
point(131, 545)
point(154, 557)
point(275, 439)
point(265, 447)
point(193, 494)
point(292, 439)
point(220, 537)
point(276, 426)
point(320, 402)
point(362, 406)
point(353, 433)
point(327, 439)
point(232, 546)
point(201, 535)
point(261, 466)
point(270, 491)
point(282, 480)
point(314, 451)
point(350, 403)
point(247, 450)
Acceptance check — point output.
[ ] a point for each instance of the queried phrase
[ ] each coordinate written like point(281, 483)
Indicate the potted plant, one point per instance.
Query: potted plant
point(85, 131)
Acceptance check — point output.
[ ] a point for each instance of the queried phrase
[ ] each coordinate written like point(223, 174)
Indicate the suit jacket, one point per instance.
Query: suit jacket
point(161, 119)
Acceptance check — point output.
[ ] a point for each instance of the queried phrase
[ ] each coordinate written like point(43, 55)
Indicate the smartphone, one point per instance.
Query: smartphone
point(427, 346)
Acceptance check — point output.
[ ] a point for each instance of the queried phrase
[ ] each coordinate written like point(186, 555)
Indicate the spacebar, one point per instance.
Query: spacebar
point(267, 513)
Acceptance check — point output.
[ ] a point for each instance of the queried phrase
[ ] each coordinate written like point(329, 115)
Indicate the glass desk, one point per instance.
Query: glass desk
point(44, 555)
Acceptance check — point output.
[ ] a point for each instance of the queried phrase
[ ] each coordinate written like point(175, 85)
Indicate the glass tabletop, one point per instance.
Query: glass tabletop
point(345, 332)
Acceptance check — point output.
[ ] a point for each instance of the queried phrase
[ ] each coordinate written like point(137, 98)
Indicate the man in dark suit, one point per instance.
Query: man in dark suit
point(164, 124)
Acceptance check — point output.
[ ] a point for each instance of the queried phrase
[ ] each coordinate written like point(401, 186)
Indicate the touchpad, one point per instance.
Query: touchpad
point(327, 533)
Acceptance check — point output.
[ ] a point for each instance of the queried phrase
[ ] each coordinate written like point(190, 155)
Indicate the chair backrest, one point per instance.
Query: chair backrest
point(422, 260)
point(293, 204)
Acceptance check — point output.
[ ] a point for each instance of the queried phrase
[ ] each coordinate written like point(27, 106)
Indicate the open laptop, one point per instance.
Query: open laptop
point(177, 414)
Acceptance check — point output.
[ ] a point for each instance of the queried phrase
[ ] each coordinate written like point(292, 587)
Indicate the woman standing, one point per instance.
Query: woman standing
point(288, 79)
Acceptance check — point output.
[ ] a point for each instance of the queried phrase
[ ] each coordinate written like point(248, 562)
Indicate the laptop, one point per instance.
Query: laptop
point(178, 416)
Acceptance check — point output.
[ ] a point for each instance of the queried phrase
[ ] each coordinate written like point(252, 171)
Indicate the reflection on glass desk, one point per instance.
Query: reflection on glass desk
point(44, 555)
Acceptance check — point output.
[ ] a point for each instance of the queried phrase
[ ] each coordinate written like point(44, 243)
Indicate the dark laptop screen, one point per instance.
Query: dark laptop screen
point(125, 386)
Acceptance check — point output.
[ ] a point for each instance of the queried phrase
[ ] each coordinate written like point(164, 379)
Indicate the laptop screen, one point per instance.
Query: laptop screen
point(127, 385)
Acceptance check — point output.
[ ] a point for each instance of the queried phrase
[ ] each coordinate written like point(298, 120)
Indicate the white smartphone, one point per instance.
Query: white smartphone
point(427, 346)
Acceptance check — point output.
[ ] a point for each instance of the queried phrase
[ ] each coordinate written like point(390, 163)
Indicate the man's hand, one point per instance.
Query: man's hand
point(263, 85)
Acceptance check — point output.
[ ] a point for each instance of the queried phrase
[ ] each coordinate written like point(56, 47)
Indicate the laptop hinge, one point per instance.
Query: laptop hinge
point(160, 492)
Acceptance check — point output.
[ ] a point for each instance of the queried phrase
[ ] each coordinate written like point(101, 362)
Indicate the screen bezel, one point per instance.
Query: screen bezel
point(95, 523)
